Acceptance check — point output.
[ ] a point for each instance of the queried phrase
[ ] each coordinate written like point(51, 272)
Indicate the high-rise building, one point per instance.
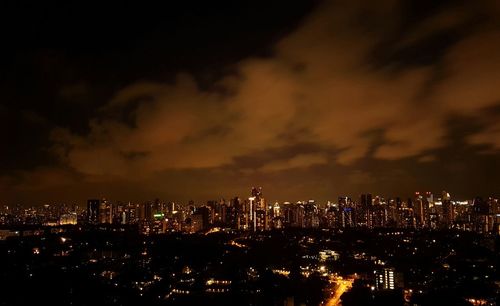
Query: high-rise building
point(483, 221)
point(105, 212)
point(257, 211)
point(277, 216)
point(196, 222)
point(147, 211)
point(311, 219)
point(347, 216)
point(363, 210)
point(379, 216)
point(388, 279)
point(448, 210)
point(331, 215)
point(93, 211)
point(420, 209)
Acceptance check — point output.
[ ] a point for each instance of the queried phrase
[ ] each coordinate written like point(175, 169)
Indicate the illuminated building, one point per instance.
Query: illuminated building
point(256, 211)
point(159, 225)
point(200, 219)
point(277, 218)
point(147, 211)
point(250, 208)
point(311, 215)
point(260, 220)
point(448, 210)
point(406, 215)
point(105, 212)
point(347, 212)
point(363, 210)
point(288, 214)
point(378, 215)
point(420, 209)
point(239, 214)
point(392, 212)
point(93, 211)
point(495, 212)
point(483, 220)
point(68, 219)
point(331, 215)
point(196, 223)
point(387, 279)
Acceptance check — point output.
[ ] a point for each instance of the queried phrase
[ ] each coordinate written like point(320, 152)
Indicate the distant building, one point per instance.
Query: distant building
point(68, 219)
point(448, 210)
point(196, 223)
point(105, 212)
point(388, 279)
point(347, 212)
point(93, 211)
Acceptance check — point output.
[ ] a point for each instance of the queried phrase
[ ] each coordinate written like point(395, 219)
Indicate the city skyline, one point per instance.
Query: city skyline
point(245, 195)
point(308, 99)
point(304, 152)
point(422, 211)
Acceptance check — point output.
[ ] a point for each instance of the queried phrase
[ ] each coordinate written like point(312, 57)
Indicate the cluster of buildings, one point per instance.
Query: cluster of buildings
point(254, 213)
point(423, 211)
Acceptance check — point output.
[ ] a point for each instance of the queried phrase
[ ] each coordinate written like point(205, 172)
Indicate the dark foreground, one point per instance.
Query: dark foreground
point(116, 266)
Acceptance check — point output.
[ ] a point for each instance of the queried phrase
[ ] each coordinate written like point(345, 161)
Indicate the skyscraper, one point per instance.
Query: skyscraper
point(364, 210)
point(93, 211)
point(105, 212)
point(420, 209)
point(448, 210)
point(347, 212)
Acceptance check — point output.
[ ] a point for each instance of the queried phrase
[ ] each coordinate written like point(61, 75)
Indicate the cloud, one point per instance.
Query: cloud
point(298, 161)
point(319, 87)
point(489, 136)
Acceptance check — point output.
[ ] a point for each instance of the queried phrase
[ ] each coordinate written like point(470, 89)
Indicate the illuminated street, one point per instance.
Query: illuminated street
point(339, 286)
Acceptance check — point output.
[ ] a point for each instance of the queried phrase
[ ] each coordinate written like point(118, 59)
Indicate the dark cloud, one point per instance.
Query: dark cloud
point(358, 97)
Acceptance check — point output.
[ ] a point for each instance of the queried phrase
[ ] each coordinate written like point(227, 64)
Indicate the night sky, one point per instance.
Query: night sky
point(308, 99)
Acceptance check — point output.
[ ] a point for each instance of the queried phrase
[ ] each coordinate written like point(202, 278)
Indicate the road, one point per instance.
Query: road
point(339, 286)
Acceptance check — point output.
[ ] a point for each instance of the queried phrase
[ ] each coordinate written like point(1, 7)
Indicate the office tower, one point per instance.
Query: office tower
point(260, 220)
point(406, 215)
point(311, 219)
point(494, 210)
point(159, 224)
point(257, 210)
point(287, 212)
point(293, 214)
point(276, 210)
point(392, 213)
point(331, 215)
point(239, 213)
point(483, 220)
point(147, 211)
point(105, 212)
point(420, 209)
point(448, 210)
point(276, 217)
point(93, 211)
point(231, 216)
point(347, 212)
point(379, 212)
point(196, 222)
point(363, 210)
point(205, 212)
